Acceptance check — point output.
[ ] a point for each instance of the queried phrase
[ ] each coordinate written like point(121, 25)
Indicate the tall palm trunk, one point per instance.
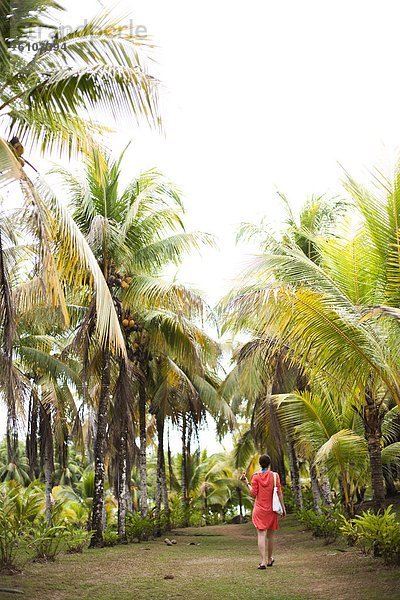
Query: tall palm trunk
point(142, 451)
point(63, 455)
point(12, 432)
point(47, 456)
point(160, 454)
point(129, 503)
point(315, 489)
point(161, 479)
point(375, 458)
point(170, 469)
point(295, 473)
point(31, 437)
point(164, 488)
point(122, 478)
point(184, 484)
point(91, 434)
point(188, 457)
point(372, 420)
point(7, 326)
point(326, 490)
point(99, 453)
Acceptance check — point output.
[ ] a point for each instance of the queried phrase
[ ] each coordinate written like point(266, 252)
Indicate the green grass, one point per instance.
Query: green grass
point(222, 564)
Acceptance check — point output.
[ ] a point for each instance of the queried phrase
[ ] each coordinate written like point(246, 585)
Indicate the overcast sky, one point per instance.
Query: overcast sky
point(258, 96)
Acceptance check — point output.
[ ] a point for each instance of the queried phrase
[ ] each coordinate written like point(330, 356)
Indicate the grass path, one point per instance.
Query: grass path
point(221, 564)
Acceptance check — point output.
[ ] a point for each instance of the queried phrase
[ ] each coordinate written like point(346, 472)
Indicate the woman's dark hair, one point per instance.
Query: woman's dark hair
point(264, 461)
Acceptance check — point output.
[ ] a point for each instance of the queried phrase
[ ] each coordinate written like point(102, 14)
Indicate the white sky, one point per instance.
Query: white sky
point(261, 95)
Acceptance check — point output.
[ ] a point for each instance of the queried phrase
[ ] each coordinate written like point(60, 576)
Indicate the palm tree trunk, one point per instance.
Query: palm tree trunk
point(326, 490)
point(142, 451)
point(375, 458)
point(161, 468)
point(99, 454)
point(164, 489)
point(295, 474)
point(12, 432)
point(91, 434)
point(372, 420)
point(188, 458)
point(160, 456)
point(129, 502)
point(7, 326)
point(170, 469)
point(122, 476)
point(46, 452)
point(31, 438)
point(184, 485)
point(315, 489)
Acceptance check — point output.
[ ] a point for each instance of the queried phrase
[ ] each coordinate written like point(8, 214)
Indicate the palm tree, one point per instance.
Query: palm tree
point(318, 312)
point(263, 368)
point(48, 98)
point(42, 100)
point(133, 232)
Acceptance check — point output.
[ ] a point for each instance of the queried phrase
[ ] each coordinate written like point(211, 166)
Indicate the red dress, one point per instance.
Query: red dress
point(262, 487)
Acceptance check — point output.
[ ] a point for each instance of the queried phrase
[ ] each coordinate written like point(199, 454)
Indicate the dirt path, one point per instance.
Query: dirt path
point(212, 563)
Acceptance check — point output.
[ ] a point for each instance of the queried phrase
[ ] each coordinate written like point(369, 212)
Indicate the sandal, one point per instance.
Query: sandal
point(269, 564)
point(261, 567)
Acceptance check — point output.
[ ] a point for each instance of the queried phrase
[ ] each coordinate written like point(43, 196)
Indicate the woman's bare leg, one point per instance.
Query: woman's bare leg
point(261, 545)
point(270, 538)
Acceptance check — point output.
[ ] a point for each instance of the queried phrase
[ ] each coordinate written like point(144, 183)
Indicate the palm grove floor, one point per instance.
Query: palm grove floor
point(222, 563)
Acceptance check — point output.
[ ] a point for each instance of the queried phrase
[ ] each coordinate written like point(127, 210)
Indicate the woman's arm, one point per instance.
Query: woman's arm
point(244, 478)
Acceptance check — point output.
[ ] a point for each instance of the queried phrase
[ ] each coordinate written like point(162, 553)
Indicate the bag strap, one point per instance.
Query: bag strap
point(274, 474)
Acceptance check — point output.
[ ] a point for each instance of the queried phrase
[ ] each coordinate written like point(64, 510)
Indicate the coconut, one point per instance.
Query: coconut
point(131, 323)
point(125, 322)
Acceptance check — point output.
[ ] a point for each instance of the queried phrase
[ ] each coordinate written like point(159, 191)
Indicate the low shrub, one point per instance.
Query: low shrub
point(19, 507)
point(325, 525)
point(110, 537)
point(375, 534)
point(139, 528)
point(46, 540)
point(179, 517)
point(197, 519)
point(76, 539)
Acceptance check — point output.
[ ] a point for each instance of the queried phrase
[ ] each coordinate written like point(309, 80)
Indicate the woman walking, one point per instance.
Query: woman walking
point(265, 520)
